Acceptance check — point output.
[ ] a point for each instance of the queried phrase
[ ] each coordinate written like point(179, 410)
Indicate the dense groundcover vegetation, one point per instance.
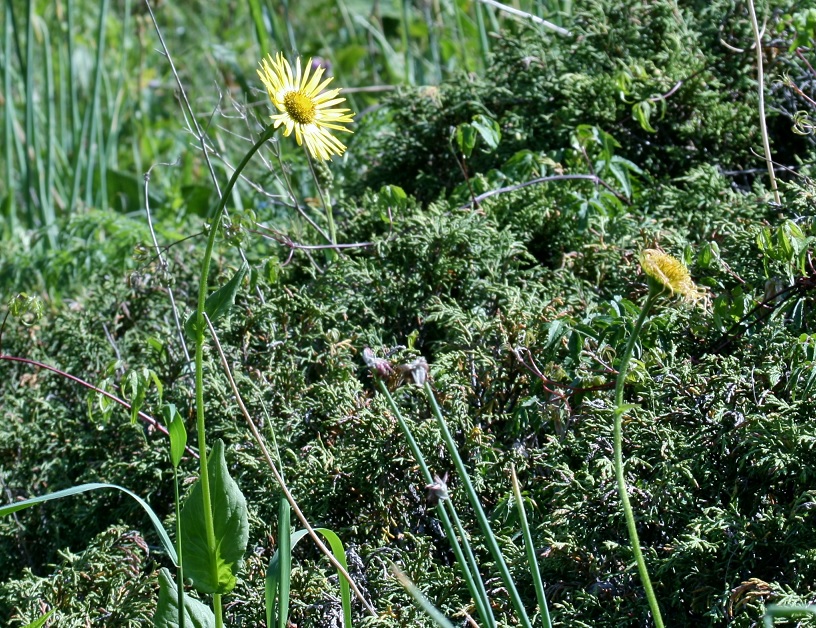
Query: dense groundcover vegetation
point(520, 297)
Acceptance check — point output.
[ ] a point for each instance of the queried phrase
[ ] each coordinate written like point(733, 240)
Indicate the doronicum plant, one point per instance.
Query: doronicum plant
point(665, 274)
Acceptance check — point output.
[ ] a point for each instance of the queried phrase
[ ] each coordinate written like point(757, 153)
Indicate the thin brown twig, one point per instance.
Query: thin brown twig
point(558, 177)
point(142, 415)
point(279, 478)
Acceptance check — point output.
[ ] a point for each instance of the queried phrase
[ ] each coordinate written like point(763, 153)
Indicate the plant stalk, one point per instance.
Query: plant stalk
point(763, 127)
point(654, 293)
point(467, 563)
point(200, 326)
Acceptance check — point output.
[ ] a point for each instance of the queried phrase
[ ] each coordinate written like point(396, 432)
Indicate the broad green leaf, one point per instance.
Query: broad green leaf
point(165, 540)
point(465, 138)
point(137, 383)
point(220, 301)
point(488, 129)
point(196, 613)
point(231, 529)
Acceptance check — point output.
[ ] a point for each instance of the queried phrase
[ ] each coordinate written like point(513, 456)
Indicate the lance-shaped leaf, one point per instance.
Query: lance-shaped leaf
point(219, 302)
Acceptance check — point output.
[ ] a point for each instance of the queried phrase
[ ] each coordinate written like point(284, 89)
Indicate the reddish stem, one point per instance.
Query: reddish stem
point(143, 416)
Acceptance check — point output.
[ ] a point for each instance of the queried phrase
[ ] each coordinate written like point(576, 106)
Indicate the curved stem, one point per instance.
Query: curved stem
point(200, 326)
point(763, 127)
point(618, 447)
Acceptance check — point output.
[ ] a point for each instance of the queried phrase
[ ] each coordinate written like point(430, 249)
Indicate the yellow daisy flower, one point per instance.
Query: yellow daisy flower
point(303, 108)
point(671, 274)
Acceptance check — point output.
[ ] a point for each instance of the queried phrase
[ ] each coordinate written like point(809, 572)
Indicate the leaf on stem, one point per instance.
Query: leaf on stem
point(231, 529)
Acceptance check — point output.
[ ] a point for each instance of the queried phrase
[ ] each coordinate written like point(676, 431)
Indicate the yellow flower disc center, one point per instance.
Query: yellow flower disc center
point(299, 107)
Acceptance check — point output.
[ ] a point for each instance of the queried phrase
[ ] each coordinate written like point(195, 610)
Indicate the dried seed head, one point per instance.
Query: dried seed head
point(670, 274)
point(437, 490)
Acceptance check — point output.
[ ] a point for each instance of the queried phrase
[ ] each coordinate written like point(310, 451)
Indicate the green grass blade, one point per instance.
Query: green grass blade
point(530, 550)
point(72, 92)
point(261, 35)
point(481, 517)
point(465, 559)
point(406, 47)
point(10, 210)
point(30, 113)
point(339, 552)
point(438, 618)
point(39, 623)
point(82, 488)
point(484, 45)
point(285, 560)
point(274, 574)
point(290, 31)
point(47, 185)
point(94, 145)
point(120, 97)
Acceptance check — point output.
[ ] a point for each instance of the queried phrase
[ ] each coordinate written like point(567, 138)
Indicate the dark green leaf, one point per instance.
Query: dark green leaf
point(177, 432)
point(220, 301)
point(488, 129)
point(196, 614)
point(213, 569)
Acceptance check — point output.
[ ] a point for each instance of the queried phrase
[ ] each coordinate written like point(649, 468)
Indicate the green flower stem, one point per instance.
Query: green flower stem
point(471, 559)
point(474, 585)
point(180, 570)
point(484, 524)
point(654, 292)
point(200, 326)
point(530, 550)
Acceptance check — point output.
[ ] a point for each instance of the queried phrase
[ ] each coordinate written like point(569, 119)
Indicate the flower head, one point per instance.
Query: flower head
point(437, 490)
point(303, 105)
point(670, 274)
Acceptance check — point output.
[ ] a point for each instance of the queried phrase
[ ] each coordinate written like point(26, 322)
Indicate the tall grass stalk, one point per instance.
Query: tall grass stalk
point(484, 45)
point(84, 153)
point(94, 132)
point(30, 119)
point(10, 212)
point(261, 36)
point(481, 517)
point(47, 182)
point(459, 32)
point(71, 87)
point(530, 550)
point(446, 509)
point(120, 96)
point(410, 76)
